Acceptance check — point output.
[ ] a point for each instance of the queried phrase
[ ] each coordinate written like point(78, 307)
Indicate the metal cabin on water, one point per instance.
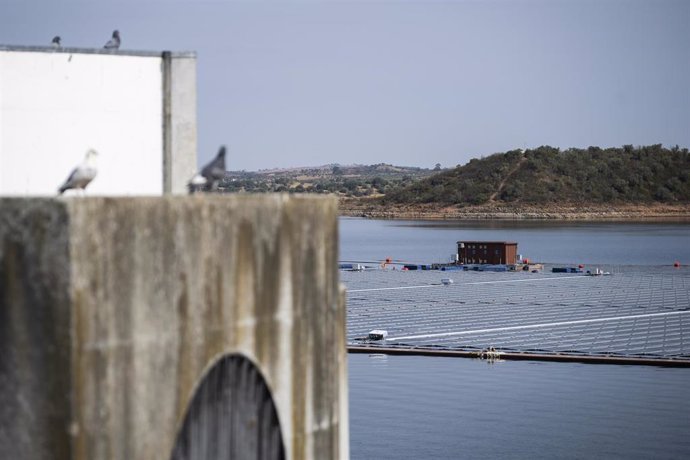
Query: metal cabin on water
point(487, 252)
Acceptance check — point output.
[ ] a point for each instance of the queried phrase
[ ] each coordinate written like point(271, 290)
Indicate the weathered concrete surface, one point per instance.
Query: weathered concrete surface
point(111, 310)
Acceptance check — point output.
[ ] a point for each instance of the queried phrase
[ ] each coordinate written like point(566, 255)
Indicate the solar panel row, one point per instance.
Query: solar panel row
point(638, 311)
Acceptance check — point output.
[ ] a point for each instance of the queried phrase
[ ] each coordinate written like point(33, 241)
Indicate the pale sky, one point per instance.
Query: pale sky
point(307, 83)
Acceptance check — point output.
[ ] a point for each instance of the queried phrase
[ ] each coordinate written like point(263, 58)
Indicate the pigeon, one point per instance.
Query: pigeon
point(56, 41)
point(210, 174)
point(83, 174)
point(113, 43)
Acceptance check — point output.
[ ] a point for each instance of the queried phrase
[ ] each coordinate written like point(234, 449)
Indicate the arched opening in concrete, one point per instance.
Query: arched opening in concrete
point(231, 416)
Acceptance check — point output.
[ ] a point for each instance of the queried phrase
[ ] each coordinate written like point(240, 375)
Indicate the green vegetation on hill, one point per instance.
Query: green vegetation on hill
point(541, 176)
point(548, 175)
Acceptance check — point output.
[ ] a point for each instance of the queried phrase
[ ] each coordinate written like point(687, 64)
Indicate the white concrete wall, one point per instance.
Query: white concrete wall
point(56, 105)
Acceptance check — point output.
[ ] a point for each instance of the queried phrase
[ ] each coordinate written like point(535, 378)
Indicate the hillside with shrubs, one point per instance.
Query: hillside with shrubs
point(626, 175)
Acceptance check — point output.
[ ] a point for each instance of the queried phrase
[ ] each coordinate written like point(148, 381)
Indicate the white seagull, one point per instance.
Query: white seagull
point(83, 174)
point(113, 43)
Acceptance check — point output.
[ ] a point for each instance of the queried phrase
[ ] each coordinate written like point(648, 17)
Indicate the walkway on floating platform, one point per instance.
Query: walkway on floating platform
point(639, 314)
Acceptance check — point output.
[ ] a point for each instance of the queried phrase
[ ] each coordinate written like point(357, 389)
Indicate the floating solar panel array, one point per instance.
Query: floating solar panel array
point(635, 312)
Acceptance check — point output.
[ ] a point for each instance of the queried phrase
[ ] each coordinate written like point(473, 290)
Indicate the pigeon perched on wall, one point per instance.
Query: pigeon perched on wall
point(113, 43)
point(210, 175)
point(56, 41)
point(83, 174)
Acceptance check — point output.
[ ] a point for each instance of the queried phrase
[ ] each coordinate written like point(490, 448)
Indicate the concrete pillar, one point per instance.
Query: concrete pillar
point(179, 121)
point(113, 309)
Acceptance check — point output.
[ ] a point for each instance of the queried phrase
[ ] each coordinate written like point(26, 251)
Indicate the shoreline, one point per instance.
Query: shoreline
point(364, 208)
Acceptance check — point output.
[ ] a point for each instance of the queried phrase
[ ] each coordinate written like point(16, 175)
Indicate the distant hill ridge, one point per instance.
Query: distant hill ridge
point(644, 174)
point(343, 180)
point(353, 169)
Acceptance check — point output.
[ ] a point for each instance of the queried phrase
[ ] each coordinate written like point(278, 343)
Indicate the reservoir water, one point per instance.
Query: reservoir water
point(408, 407)
point(612, 243)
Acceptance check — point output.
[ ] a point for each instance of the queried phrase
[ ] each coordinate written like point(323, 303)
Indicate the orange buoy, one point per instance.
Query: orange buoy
point(676, 264)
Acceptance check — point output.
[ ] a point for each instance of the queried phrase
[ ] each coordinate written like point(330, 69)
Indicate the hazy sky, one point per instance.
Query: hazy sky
point(306, 83)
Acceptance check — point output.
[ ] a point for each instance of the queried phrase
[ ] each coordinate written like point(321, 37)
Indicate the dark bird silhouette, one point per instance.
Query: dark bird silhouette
point(113, 43)
point(210, 175)
point(56, 41)
point(82, 175)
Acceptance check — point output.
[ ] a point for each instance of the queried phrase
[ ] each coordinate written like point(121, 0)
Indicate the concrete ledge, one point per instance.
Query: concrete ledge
point(111, 310)
point(74, 50)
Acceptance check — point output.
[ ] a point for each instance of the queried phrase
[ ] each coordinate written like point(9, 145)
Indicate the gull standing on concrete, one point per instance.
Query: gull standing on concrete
point(83, 174)
point(210, 174)
point(113, 43)
point(56, 41)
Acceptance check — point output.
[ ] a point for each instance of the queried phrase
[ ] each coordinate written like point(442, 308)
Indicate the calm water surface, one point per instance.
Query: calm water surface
point(410, 407)
point(608, 243)
point(407, 407)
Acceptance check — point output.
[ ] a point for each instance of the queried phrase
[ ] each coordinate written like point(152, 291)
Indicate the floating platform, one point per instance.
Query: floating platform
point(566, 270)
point(640, 314)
